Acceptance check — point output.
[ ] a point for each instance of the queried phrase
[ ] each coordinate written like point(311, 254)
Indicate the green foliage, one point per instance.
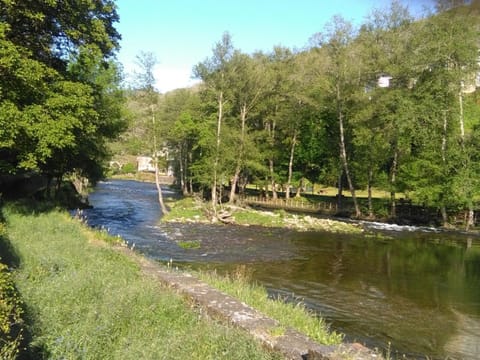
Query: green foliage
point(257, 218)
point(59, 90)
point(129, 168)
point(194, 244)
point(186, 209)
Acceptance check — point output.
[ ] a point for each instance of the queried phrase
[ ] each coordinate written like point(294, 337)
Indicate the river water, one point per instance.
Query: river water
point(415, 291)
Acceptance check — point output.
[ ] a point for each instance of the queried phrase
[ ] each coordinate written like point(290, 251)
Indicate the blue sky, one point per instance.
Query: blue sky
point(181, 33)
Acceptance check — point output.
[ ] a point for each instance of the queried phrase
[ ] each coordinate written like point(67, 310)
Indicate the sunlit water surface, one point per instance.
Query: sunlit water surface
point(415, 291)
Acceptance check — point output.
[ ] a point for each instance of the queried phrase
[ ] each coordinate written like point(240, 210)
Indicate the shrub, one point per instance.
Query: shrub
point(129, 168)
point(10, 316)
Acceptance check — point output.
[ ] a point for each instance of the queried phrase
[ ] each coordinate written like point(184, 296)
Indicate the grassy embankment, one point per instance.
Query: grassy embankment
point(288, 314)
point(82, 299)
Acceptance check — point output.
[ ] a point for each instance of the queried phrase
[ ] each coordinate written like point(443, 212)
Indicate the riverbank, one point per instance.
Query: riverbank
point(191, 209)
point(84, 299)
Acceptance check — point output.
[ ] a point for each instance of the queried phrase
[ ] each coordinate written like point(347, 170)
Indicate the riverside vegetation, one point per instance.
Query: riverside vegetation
point(76, 297)
point(190, 209)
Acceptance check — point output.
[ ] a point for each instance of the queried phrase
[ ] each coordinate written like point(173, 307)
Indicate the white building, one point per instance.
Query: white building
point(384, 81)
point(145, 163)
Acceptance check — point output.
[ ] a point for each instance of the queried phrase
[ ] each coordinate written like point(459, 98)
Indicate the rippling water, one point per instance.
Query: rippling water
point(416, 289)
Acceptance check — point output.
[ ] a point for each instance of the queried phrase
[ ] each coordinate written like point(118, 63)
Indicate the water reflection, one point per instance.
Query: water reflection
point(418, 290)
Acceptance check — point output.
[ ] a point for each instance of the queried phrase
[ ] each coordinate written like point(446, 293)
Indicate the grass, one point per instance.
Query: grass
point(288, 314)
point(185, 209)
point(262, 218)
point(84, 300)
point(194, 244)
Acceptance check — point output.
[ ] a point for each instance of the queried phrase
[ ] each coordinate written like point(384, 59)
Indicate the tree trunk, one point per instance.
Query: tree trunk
point(188, 177)
point(443, 212)
point(343, 157)
point(443, 208)
point(340, 190)
point(301, 188)
point(243, 119)
point(461, 118)
point(183, 184)
point(155, 159)
point(217, 153)
point(393, 176)
point(233, 188)
point(369, 188)
point(58, 186)
point(290, 164)
point(159, 189)
point(48, 189)
point(271, 134)
point(470, 218)
point(272, 180)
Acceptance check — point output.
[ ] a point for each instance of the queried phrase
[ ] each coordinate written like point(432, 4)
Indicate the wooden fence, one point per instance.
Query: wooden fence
point(291, 204)
point(406, 211)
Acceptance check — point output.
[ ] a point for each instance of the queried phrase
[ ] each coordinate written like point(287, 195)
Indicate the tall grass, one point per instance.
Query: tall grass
point(86, 301)
point(239, 285)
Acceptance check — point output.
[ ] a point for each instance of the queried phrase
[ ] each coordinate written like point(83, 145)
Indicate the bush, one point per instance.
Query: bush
point(10, 316)
point(129, 168)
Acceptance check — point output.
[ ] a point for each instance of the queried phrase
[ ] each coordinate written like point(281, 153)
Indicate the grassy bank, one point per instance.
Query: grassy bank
point(288, 314)
point(84, 300)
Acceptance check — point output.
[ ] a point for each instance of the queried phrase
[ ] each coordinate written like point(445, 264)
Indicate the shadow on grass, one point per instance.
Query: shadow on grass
point(8, 256)
point(30, 350)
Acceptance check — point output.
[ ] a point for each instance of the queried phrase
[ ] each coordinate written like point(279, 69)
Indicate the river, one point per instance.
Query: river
point(415, 291)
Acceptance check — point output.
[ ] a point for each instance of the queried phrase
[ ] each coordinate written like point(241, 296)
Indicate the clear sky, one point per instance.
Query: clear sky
point(182, 33)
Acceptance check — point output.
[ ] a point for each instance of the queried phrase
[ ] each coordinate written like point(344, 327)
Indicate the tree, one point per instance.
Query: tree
point(146, 80)
point(248, 88)
point(449, 53)
point(274, 111)
point(343, 81)
point(58, 86)
point(385, 117)
point(215, 72)
point(180, 114)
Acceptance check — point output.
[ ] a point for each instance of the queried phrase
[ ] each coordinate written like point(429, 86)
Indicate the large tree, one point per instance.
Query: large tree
point(343, 81)
point(216, 73)
point(385, 111)
point(180, 113)
point(248, 88)
point(59, 84)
